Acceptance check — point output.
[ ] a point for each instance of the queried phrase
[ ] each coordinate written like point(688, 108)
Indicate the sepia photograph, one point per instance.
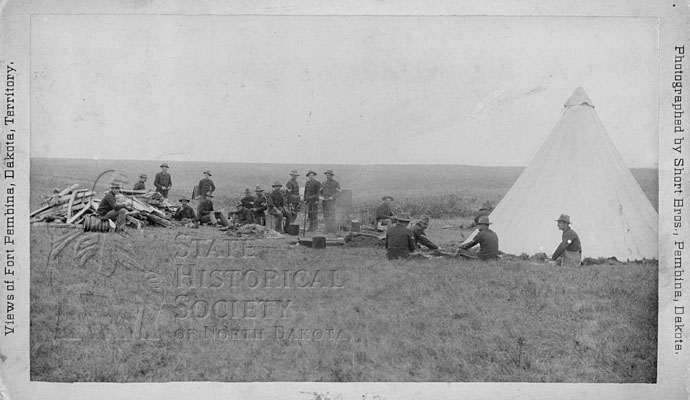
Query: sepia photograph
point(284, 201)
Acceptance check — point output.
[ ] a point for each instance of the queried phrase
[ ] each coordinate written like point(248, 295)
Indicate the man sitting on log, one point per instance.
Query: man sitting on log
point(243, 215)
point(109, 209)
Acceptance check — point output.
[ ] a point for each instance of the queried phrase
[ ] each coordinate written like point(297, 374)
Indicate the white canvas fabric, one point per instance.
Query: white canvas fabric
point(578, 172)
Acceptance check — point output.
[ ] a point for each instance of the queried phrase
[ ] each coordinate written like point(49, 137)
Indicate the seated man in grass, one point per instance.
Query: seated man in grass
point(399, 239)
point(185, 213)
point(384, 212)
point(207, 215)
point(569, 252)
point(419, 232)
point(485, 238)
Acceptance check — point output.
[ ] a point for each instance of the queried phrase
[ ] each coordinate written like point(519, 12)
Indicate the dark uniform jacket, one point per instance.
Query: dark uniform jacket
point(260, 203)
point(108, 203)
point(311, 191)
point(248, 201)
point(330, 188)
point(292, 187)
point(383, 211)
point(163, 180)
point(420, 237)
point(204, 208)
point(139, 186)
point(184, 212)
point(206, 186)
point(569, 241)
point(488, 244)
point(275, 199)
point(399, 242)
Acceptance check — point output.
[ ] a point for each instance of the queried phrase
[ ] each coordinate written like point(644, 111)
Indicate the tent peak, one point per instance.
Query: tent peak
point(579, 97)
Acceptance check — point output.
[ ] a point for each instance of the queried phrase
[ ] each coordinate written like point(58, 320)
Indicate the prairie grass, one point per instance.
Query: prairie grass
point(417, 320)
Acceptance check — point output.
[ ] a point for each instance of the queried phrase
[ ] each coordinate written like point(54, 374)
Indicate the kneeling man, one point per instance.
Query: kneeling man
point(569, 252)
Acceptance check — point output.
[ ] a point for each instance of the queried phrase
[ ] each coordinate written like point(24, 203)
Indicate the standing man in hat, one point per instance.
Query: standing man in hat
point(276, 206)
point(330, 190)
point(311, 197)
point(260, 205)
point(399, 239)
point(141, 185)
point(419, 232)
point(206, 185)
point(384, 212)
point(163, 181)
point(569, 252)
point(487, 240)
point(292, 187)
point(185, 212)
point(109, 209)
point(248, 199)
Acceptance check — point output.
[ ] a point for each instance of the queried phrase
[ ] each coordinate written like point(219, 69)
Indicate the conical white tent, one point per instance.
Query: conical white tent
point(578, 171)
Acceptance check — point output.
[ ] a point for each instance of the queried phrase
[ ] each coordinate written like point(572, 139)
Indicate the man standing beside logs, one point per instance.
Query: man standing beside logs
point(163, 181)
point(141, 185)
point(206, 185)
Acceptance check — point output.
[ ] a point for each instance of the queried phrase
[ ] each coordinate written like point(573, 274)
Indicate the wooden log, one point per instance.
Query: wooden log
point(129, 192)
point(160, 221)
point(77, 215)
point(42, 209)
point(67, 190)
point(69, 205)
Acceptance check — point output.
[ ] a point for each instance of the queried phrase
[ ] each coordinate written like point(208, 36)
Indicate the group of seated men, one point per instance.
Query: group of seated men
point(401, 242)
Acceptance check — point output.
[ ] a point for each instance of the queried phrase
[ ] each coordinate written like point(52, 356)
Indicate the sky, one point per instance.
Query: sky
point(341, 90)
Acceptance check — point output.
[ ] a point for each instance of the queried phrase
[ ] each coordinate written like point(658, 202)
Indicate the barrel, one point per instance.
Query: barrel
point(319, 242)
point(356, 226)
point(95, 224)
point(292, 229)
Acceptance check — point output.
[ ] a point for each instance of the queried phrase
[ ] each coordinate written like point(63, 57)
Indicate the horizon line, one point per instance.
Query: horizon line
point(300, 163)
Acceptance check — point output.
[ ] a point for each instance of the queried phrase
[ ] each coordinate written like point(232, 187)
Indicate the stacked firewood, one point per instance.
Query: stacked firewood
point(76, 207)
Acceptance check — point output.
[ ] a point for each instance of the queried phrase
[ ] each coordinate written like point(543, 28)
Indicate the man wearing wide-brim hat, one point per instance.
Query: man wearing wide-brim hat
point(141, 185)
point(248, 199)
point(399, 239)
point(569, 252)
point(311, 199)
point(185, 212)
point(293, 203)
point(260, 206)
point(206, 185)
point(419, 232)
point(163, 181)
point(485, 238)
point(242, 215)
point(330, 190)
point(276, 206)
point(384, 212)
point(110, 210)
point(208, 215)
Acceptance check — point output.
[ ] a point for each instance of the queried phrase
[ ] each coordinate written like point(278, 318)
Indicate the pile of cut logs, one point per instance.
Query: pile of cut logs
point(74, 207)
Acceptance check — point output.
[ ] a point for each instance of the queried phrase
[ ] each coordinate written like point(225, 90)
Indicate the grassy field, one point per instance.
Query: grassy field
point(146, 307)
